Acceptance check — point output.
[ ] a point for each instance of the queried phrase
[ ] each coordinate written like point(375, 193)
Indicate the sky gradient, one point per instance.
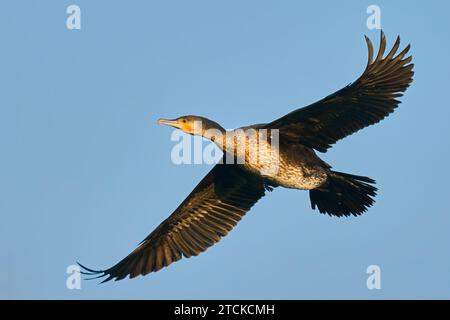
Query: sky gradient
point(86, 174)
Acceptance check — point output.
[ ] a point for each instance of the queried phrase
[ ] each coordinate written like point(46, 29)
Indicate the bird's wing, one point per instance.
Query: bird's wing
point(212, 209)
point(368, 100)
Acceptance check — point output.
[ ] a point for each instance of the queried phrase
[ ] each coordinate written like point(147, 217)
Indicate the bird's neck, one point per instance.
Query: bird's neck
point(216, 134)
point(225, 140)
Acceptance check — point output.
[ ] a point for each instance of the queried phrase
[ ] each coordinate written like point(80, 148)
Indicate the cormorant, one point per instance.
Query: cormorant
point(228, 191)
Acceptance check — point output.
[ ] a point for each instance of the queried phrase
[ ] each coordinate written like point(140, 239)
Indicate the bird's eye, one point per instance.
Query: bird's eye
point(183, 120)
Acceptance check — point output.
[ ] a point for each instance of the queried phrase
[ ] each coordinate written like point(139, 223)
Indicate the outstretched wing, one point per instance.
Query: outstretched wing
point(212, 209)
point(367, 101)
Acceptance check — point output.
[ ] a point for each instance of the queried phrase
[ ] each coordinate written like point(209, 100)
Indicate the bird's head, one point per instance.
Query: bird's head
point(195, 125)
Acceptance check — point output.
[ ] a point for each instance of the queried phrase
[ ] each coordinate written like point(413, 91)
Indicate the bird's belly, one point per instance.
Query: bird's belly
point(292, 175)
point(300, 177)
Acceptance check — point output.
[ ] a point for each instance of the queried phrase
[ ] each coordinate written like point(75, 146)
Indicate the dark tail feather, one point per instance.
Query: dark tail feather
point(344, 195)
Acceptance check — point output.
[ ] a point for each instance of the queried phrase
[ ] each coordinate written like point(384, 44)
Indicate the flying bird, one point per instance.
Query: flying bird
point(228, 191)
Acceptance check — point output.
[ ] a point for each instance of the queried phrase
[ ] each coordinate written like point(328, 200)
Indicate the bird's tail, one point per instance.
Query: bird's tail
point(344, 195)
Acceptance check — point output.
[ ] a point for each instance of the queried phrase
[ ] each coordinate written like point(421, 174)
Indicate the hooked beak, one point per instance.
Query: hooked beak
point(167, 122)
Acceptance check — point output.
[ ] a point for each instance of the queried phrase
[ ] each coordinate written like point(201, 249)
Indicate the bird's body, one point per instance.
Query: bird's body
point(300, 168)
point(281, 153)
point(280, 164)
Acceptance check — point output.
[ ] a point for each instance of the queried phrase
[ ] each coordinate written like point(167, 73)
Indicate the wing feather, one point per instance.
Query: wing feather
point(370, 99)
point(212, 209)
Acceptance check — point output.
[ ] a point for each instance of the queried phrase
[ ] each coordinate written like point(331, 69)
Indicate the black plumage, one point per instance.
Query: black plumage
point(366, 101)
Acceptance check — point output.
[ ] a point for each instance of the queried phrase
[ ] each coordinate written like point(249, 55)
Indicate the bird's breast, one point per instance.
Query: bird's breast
point(291, 166)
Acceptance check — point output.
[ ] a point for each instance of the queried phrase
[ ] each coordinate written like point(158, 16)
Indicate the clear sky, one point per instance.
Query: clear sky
point(86, 174)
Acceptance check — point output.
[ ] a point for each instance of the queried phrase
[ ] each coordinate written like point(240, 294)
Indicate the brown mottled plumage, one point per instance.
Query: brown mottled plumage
point(227, 192)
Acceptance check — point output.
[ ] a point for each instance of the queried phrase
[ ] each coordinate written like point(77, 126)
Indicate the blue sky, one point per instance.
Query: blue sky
point(85, 172)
